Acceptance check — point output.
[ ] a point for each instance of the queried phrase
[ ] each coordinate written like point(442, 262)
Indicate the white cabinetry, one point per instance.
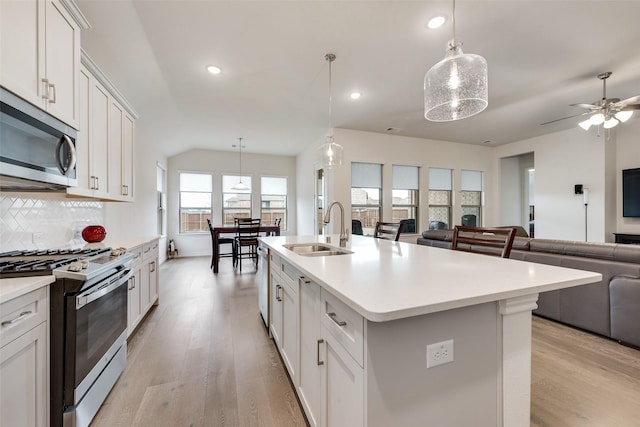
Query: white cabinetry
point(24, 385)
point(284, 311)
point(40, 54)
point(134, 310)
point(149, 290)
point(106, 139)
point(143, 284)
point(331, 380)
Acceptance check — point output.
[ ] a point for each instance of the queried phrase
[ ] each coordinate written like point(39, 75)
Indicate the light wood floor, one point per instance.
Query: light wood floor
point(202, 358)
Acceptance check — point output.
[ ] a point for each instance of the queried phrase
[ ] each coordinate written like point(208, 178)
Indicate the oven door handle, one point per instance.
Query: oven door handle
point(94, 294)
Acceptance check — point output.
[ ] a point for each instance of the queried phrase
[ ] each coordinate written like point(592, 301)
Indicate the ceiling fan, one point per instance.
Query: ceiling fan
point(608, 111)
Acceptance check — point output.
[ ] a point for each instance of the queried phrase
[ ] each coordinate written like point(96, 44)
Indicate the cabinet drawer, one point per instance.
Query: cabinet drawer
point(275, 263)
point(137, 257)
point(149, 251)
point(290, 272)
point(21, 314)
point(344, 324)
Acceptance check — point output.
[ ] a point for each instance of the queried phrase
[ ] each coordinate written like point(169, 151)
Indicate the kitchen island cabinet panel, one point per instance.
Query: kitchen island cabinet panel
point(383, 304)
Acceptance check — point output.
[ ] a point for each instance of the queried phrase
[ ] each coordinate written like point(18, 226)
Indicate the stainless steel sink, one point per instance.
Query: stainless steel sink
point(316, 249)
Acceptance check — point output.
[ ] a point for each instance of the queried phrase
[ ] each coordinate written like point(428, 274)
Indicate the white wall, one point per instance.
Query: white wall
point(389, 150)
point(628, 157)
point(139, 219)
point(224, 163)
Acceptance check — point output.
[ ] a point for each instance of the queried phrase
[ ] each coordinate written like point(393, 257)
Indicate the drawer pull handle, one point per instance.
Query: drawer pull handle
point(304, 280)
point(340, 323)
point(17, 319)
point(319, 362)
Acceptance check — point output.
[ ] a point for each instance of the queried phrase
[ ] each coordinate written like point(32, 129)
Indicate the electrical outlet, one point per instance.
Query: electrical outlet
point(37, 237)
point(439, 353)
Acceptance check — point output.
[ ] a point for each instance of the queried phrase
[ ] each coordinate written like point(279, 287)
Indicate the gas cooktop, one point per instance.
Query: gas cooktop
point(72, 263)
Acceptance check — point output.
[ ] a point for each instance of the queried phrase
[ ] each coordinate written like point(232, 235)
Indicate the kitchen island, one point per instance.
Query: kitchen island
point(400, 334)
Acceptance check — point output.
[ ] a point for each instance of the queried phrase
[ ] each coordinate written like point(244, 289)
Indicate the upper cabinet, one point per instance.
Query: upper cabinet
point(106, 139)
point(40, 54)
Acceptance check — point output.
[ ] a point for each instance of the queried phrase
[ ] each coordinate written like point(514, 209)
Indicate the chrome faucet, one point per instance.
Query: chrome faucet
point(344, 234)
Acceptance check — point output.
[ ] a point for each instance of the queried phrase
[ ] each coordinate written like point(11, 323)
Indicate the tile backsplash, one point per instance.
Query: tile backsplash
point(49, 223)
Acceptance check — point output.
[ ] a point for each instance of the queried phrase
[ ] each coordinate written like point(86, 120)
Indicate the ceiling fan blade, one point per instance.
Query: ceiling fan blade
point(568, 117)
point(589, 106)
point(631, 107)
point(628, 101)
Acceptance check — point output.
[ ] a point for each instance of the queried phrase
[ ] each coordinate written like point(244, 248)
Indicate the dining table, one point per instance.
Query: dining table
point(273, 230)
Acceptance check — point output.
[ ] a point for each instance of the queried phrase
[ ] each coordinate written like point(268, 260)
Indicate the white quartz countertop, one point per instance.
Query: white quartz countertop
point(122, 242)
point(13, 288)
point(384, 280)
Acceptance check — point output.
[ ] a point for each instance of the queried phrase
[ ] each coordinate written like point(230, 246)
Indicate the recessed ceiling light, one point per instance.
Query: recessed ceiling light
point(213, 69)
point(436, 22)
point(355, 95)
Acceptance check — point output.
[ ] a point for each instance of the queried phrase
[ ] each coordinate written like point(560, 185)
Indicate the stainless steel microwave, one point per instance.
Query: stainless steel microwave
point(37, 151)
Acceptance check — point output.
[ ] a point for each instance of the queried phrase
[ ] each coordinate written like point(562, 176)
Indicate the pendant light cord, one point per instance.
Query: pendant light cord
point(454, 24)
point(330, 57)
point(240, 144)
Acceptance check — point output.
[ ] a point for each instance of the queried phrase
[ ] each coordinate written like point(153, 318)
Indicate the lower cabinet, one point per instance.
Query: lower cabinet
point(342, 386)
point(24, 385)
point(134, 310)
point(143, 284)
point(331, 383)
point(284, 322)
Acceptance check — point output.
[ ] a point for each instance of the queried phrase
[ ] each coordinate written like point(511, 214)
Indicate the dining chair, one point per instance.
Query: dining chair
point(483, 240)
point(356, 227)
point(221, 241)
point(247, 233)
point(388, 230)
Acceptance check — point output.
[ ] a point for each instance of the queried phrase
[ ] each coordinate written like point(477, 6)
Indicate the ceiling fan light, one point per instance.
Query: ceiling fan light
point(585, 124)
point(597, 119)
point(623, 116)
point(612, 122)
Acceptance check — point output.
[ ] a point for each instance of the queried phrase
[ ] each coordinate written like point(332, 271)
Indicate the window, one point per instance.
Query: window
point(195, 202)
point(273, 200)
point(161, 184)
point(471, 197)
point(235, 203)
point(366, 192)
point(405, 197)
point(439, 198)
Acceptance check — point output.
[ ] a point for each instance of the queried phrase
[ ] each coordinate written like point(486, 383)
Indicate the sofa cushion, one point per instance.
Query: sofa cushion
point(608, 251)
point(625, 309)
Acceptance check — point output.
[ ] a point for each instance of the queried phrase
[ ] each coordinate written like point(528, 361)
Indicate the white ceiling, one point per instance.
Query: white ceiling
point(273, 91)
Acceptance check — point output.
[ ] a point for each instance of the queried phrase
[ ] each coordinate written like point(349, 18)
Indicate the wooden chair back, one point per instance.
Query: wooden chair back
point(388, 230)
point(483, 240)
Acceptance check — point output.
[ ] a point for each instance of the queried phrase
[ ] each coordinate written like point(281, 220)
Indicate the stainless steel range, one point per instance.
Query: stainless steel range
point(88, 324)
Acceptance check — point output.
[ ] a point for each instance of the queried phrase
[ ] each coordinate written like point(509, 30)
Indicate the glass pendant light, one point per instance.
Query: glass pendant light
point(456, 87)
point(330, 153)
point(240, 185)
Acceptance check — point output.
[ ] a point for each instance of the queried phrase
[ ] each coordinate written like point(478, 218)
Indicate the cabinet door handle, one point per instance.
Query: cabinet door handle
point(304, 280)
point(45, 89)
point(152, 267)
point(340, 323)
point(92, 182)
point(17, 319)
point(97, 183)
point(53, 100)
point(318, 361)
point(278, 297)
point(133, 283)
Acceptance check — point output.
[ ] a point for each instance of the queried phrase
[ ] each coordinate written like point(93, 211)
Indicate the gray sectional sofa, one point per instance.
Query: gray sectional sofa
point(610, 307)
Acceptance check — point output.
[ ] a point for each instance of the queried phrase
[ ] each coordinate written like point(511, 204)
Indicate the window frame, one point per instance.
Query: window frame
point(284, 224)
point(357, 206)
point(247, 180)
point(479, 197)
point(449, 191)
point(203, 228)
point(413, 197)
